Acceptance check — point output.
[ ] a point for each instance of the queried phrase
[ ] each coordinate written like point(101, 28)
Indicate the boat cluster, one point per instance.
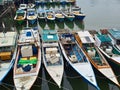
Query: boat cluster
point(81, 49)
point(63, 2)
point(32, 14)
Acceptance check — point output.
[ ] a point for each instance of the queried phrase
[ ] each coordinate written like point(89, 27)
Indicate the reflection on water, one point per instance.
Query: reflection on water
point(42, 24)
point(69, 24)
point(60, 25)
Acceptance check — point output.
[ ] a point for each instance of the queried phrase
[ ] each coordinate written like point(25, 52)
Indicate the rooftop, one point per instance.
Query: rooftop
point(115, 33)
point(7, 39)
point(49, 35)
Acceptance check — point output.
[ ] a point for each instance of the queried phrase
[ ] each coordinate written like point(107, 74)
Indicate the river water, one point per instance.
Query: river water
point(99, 14)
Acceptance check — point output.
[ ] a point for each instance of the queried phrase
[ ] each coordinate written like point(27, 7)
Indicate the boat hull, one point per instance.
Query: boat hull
point(80, 17)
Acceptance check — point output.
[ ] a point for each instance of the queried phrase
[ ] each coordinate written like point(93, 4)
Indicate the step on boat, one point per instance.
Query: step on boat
point(52, 58)
point(86, 41)
point(28, 59)
point(76, 58)
point(8, 50)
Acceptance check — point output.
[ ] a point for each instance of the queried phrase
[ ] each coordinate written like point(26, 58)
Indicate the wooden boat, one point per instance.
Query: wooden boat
point(77, 13)
point(76, 58)
point(41, 14)
point(20, 16)
point(59, 15)
point(52, 58)
point(8, 50)
point(28, 59)
point(96, 58)
point(50, 15)
point(115, 37)
point(22, 6)
point(68, 14)
point(31, 15)
point(104, 43)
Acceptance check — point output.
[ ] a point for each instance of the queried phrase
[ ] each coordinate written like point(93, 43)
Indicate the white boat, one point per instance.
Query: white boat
point(8, 50)
point(52, 58)
point(104, 43)
point(22, 6)
point(50, 15)
point(59, 15)
point(115, 37)
point(68, 14)
point(20, 16)
point(41, 14)
point(77, 13)
point(28, 59)
point(31, 15)
point(76, 58)
point(85, 40)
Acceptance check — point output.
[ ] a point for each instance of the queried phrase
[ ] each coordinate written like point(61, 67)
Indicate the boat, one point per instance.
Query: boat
point(31, 15)
point(52, 57)
point(59, 16)
point(30, 5)
point(71, 1)
point(41, 14)
point(8, 50)
point(39, 2)
point(76, 58)
point(115, 37)
point(50, 15)
point(86, 41)
point(63, 2)
point(20, 16)
point(104, 44)
point(76, 10)
point(28, 59)
point(68, 14)
point(23, 7)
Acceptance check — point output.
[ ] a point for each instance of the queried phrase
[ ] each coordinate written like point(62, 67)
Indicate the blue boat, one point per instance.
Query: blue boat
point(8, 50)
point(31, 15)
point(76, 58)
point(77, 13)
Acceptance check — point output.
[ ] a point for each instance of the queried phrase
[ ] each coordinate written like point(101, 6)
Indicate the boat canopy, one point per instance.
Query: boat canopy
point(49, 35)
point(20, 11)
point(104, 38)
point(115, 33)
point(28, 35)
point(7, 39)
point(86, 37)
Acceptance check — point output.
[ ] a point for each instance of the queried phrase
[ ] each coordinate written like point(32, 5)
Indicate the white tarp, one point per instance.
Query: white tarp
point(84, 35)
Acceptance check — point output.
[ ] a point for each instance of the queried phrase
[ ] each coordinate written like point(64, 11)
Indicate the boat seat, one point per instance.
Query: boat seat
point(73, 58)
